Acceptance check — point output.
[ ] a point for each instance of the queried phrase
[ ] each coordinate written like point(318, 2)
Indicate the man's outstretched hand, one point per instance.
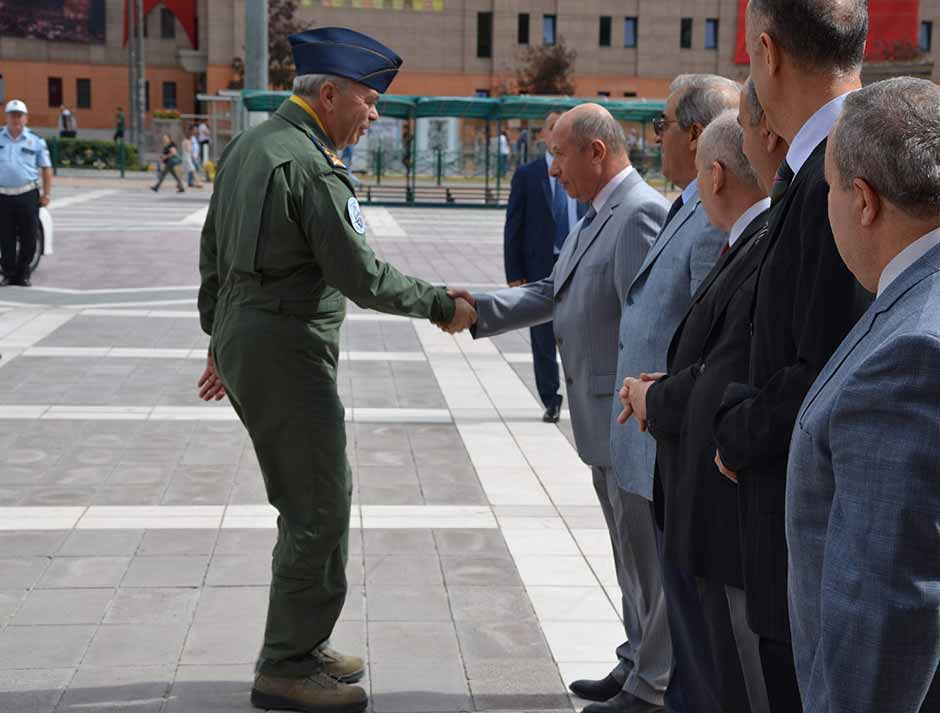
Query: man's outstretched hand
point(210, 385)
point(465, 316)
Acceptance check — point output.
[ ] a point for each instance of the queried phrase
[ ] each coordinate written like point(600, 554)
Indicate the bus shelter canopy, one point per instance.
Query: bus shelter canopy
point(486, 108)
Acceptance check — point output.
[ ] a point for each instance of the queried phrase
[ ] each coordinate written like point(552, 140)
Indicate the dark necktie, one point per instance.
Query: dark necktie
point(560, 215)
point(585, 223)
point(781, 183)
point(724, 248)
point(676, 207)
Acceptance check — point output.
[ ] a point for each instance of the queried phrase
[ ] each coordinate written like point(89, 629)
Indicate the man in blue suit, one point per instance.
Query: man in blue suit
point(539, 217)
point(862, 495)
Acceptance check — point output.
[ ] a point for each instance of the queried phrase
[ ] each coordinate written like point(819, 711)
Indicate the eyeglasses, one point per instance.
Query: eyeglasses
point(661, 123)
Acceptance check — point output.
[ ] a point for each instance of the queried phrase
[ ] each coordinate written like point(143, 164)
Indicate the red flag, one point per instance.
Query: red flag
point(183, 10)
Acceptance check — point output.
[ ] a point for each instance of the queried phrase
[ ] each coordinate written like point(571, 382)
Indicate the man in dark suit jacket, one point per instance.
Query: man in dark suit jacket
point(539, 217)
point(696, 508)
point(806, 56)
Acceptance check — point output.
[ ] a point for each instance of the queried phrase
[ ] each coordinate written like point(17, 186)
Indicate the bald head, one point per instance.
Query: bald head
point(589, 150)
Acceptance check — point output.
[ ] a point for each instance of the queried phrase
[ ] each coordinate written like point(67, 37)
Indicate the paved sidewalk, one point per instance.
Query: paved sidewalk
point(134, 535)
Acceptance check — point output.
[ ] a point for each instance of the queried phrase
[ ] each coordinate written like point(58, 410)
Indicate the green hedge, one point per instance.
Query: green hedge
point(86, 153)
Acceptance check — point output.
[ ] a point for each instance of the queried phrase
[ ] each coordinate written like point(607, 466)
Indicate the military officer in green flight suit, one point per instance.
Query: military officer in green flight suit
point(283, 247)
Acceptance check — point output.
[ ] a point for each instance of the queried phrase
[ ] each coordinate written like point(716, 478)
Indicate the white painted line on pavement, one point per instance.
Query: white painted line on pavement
point(75, 200)
point(196, 218)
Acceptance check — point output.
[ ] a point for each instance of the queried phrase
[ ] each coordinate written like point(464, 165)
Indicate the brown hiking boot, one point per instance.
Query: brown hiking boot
point(318, 693)
point(346, 669)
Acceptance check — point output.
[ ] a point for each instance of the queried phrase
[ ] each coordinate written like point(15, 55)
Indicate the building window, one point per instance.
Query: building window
point(629, 95)
point(55, 92)
point(483, 93)
point(522, 33)
point(167, 24)
point(83, 93)
point(629, 31)
point(926, 36)
point(169, 95)
point(685, 33)
point(604, 38)
point(484, 34)
point(1, 87)
point(549, 26)
point(604, 94)
point(711, 34)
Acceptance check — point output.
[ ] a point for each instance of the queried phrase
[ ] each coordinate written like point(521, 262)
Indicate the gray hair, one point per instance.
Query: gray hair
point(822, 35)
point(754, 106)
point(889, 135)
point(309, 85)
point(598, 126)
point(702, 97)
point(723, 141)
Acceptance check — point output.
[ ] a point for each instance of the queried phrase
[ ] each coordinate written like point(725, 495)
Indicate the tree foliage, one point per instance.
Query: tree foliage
point(546, 70)
point(281, 24)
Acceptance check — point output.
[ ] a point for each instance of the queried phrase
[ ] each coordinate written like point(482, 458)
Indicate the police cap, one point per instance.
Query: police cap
point(345, 53)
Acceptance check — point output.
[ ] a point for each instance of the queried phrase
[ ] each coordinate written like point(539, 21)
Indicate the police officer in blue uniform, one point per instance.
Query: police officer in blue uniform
point(24, 159)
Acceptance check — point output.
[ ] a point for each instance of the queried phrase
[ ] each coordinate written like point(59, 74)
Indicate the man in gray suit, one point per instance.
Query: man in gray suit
point(656, 301)
point(863, 493)
point(583, 295)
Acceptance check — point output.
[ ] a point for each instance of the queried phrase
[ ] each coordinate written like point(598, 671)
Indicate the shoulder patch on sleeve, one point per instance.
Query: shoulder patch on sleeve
point(355, 216)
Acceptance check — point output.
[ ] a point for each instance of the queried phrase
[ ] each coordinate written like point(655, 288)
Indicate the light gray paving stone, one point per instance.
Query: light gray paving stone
point(211, 689)
point(390, 495)
point(10, 600)
point(415, 571)
point(355, 570)
point(354, 608)
point(238, 570)
point(502, 640)
point(166, 571)
point(232, 604)
point(177, 542)
point(512, 684)
point(138, 494)
point(254, 543)
point(398, 542)
point(43, 646)
point(408, 604)
point(100, 543)
point(126, 689)
point(57, 496)
point(21, 572)
point(491, 603)
point(32, 691)
point(151, 605)
point(480, 571)
point(30, 543)
point(223, 641)
point(450, 494)
point(136, 645)
point(64, 606)
point(471, 543)
point(74, 572)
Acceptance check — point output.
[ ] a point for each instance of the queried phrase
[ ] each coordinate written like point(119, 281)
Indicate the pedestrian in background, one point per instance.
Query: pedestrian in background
point(190, 163)
point(204, 139)
point(169, 161)
point(23, 156)
point(68, 126)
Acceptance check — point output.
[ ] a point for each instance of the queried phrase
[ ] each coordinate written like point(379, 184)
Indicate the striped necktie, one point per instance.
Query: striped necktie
point(781, 183)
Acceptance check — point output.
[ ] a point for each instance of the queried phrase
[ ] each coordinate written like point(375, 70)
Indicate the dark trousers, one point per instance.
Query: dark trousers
point(545, 363)
point(168, 168)
point(19, 219)
point(783, 691)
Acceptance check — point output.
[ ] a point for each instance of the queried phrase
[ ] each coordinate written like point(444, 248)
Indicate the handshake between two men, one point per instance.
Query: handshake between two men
point(465, 314)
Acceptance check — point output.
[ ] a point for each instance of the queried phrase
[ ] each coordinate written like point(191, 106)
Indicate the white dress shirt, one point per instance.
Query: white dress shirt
point(688, 193)
point(604, 194)
point(812, 133)
point(572, 203)
point(907, 257)
point(747, 217)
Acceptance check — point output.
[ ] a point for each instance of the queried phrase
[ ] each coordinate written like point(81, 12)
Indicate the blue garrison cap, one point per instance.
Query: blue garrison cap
point(345, 53)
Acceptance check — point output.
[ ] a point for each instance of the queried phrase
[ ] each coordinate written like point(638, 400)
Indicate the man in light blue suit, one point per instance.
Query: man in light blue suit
point(584, 295)
point(656, 301)
point(863, 479)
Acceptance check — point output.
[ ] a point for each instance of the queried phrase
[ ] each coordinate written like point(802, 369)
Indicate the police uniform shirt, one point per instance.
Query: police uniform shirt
point(22, 158)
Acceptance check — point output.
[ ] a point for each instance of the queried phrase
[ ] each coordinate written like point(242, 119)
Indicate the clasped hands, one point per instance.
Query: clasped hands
point(633, 398)
point(465, 316)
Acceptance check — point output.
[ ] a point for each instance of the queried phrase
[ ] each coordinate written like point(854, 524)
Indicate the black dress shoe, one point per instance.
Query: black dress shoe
point(6, 282)
point(602, 690)
point(623, 702)
point(24, 282)
point(553, 413)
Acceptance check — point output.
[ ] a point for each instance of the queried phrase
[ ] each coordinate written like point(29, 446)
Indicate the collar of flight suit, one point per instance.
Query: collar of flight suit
point(302, 115)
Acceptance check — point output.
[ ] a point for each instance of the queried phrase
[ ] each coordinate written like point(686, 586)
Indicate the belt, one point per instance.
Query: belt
point(20, 190)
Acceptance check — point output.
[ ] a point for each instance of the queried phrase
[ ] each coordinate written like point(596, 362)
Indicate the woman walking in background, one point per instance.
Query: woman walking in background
point(190, 161)
point(169, 160)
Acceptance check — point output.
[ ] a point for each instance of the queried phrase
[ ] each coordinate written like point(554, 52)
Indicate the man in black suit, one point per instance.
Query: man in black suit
point(539, 217)
point(696, 508)
point(806, 56)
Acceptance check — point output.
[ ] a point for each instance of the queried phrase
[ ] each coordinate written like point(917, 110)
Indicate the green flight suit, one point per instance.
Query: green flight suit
point(282, 248)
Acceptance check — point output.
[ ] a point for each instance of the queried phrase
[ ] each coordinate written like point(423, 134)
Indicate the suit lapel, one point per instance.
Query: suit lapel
point(666, 235)
point(584, 241)
point(924, 268)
